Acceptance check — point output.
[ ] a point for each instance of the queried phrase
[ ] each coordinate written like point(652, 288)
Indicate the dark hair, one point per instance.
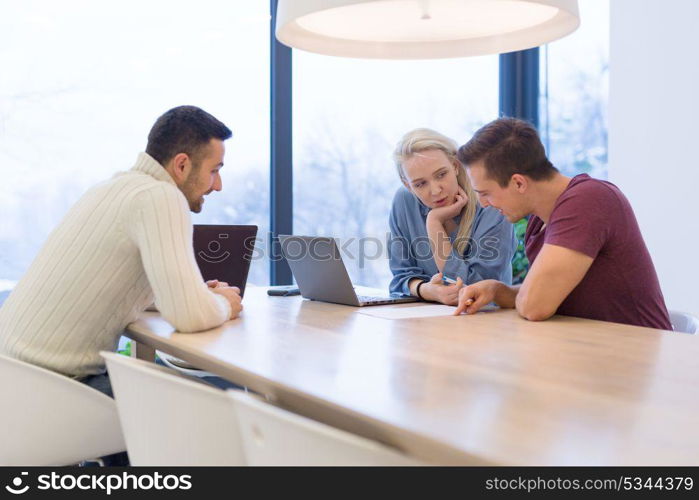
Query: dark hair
point(508, 146)
point(184, 129)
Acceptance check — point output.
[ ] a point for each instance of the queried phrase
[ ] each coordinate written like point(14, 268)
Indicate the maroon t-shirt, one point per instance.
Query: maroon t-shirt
point(594, 217)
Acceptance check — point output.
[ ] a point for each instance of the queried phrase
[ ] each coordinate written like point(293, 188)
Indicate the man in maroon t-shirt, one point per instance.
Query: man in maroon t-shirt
point(587, 255)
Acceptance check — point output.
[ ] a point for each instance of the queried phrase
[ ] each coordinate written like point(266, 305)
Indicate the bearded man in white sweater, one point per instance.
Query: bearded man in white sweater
point(125, 244)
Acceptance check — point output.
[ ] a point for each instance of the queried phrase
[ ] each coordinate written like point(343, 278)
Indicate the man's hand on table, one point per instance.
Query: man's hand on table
point(215, 283)
point(231, 293)
point(474, 297)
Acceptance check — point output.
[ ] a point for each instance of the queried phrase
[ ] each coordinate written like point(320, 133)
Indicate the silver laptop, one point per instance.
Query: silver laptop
point(321, 275)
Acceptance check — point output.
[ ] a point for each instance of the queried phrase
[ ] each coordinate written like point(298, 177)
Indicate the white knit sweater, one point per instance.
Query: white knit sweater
point(125, 242)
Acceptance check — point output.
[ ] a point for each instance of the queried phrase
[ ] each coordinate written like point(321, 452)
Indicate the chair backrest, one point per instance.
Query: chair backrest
point(170, 420)
point(273, 436)
point(684, 322)
point(50, 419)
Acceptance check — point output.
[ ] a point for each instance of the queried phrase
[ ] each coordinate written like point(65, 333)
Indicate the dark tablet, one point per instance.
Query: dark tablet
point(224, 252)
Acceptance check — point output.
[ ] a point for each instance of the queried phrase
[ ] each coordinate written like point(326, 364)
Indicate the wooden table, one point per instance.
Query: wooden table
point(486, 389)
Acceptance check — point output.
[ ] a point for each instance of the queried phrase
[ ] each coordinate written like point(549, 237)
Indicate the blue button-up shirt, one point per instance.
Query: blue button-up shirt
point(487, 256)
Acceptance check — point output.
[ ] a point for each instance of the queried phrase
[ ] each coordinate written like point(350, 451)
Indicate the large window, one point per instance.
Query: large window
point(574, 94)
point(81, 84)
point(574, 89)
point(348, 115)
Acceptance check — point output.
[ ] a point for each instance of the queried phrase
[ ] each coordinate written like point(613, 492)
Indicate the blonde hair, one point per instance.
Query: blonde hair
point(424, 139)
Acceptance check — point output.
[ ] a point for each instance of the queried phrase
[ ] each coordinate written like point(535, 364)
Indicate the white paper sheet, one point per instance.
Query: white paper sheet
point(406, 312)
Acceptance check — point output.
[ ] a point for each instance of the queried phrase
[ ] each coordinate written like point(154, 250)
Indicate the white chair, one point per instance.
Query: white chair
point(684, 322)
point(49, 419)
point(171, 420)
point(273, 436)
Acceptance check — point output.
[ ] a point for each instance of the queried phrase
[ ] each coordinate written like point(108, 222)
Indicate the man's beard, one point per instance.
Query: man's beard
point(189, 190)
point(196, 205)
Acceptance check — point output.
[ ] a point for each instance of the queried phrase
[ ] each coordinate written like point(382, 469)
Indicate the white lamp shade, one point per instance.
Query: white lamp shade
point(422, 29)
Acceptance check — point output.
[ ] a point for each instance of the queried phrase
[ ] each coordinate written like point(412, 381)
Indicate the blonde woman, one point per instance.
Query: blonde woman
point(441, 238)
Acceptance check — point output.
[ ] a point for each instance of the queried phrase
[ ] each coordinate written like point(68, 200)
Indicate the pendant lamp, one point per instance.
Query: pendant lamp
point(422, 29)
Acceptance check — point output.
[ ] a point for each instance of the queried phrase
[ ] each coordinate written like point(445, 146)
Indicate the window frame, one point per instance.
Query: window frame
point(518, 97)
